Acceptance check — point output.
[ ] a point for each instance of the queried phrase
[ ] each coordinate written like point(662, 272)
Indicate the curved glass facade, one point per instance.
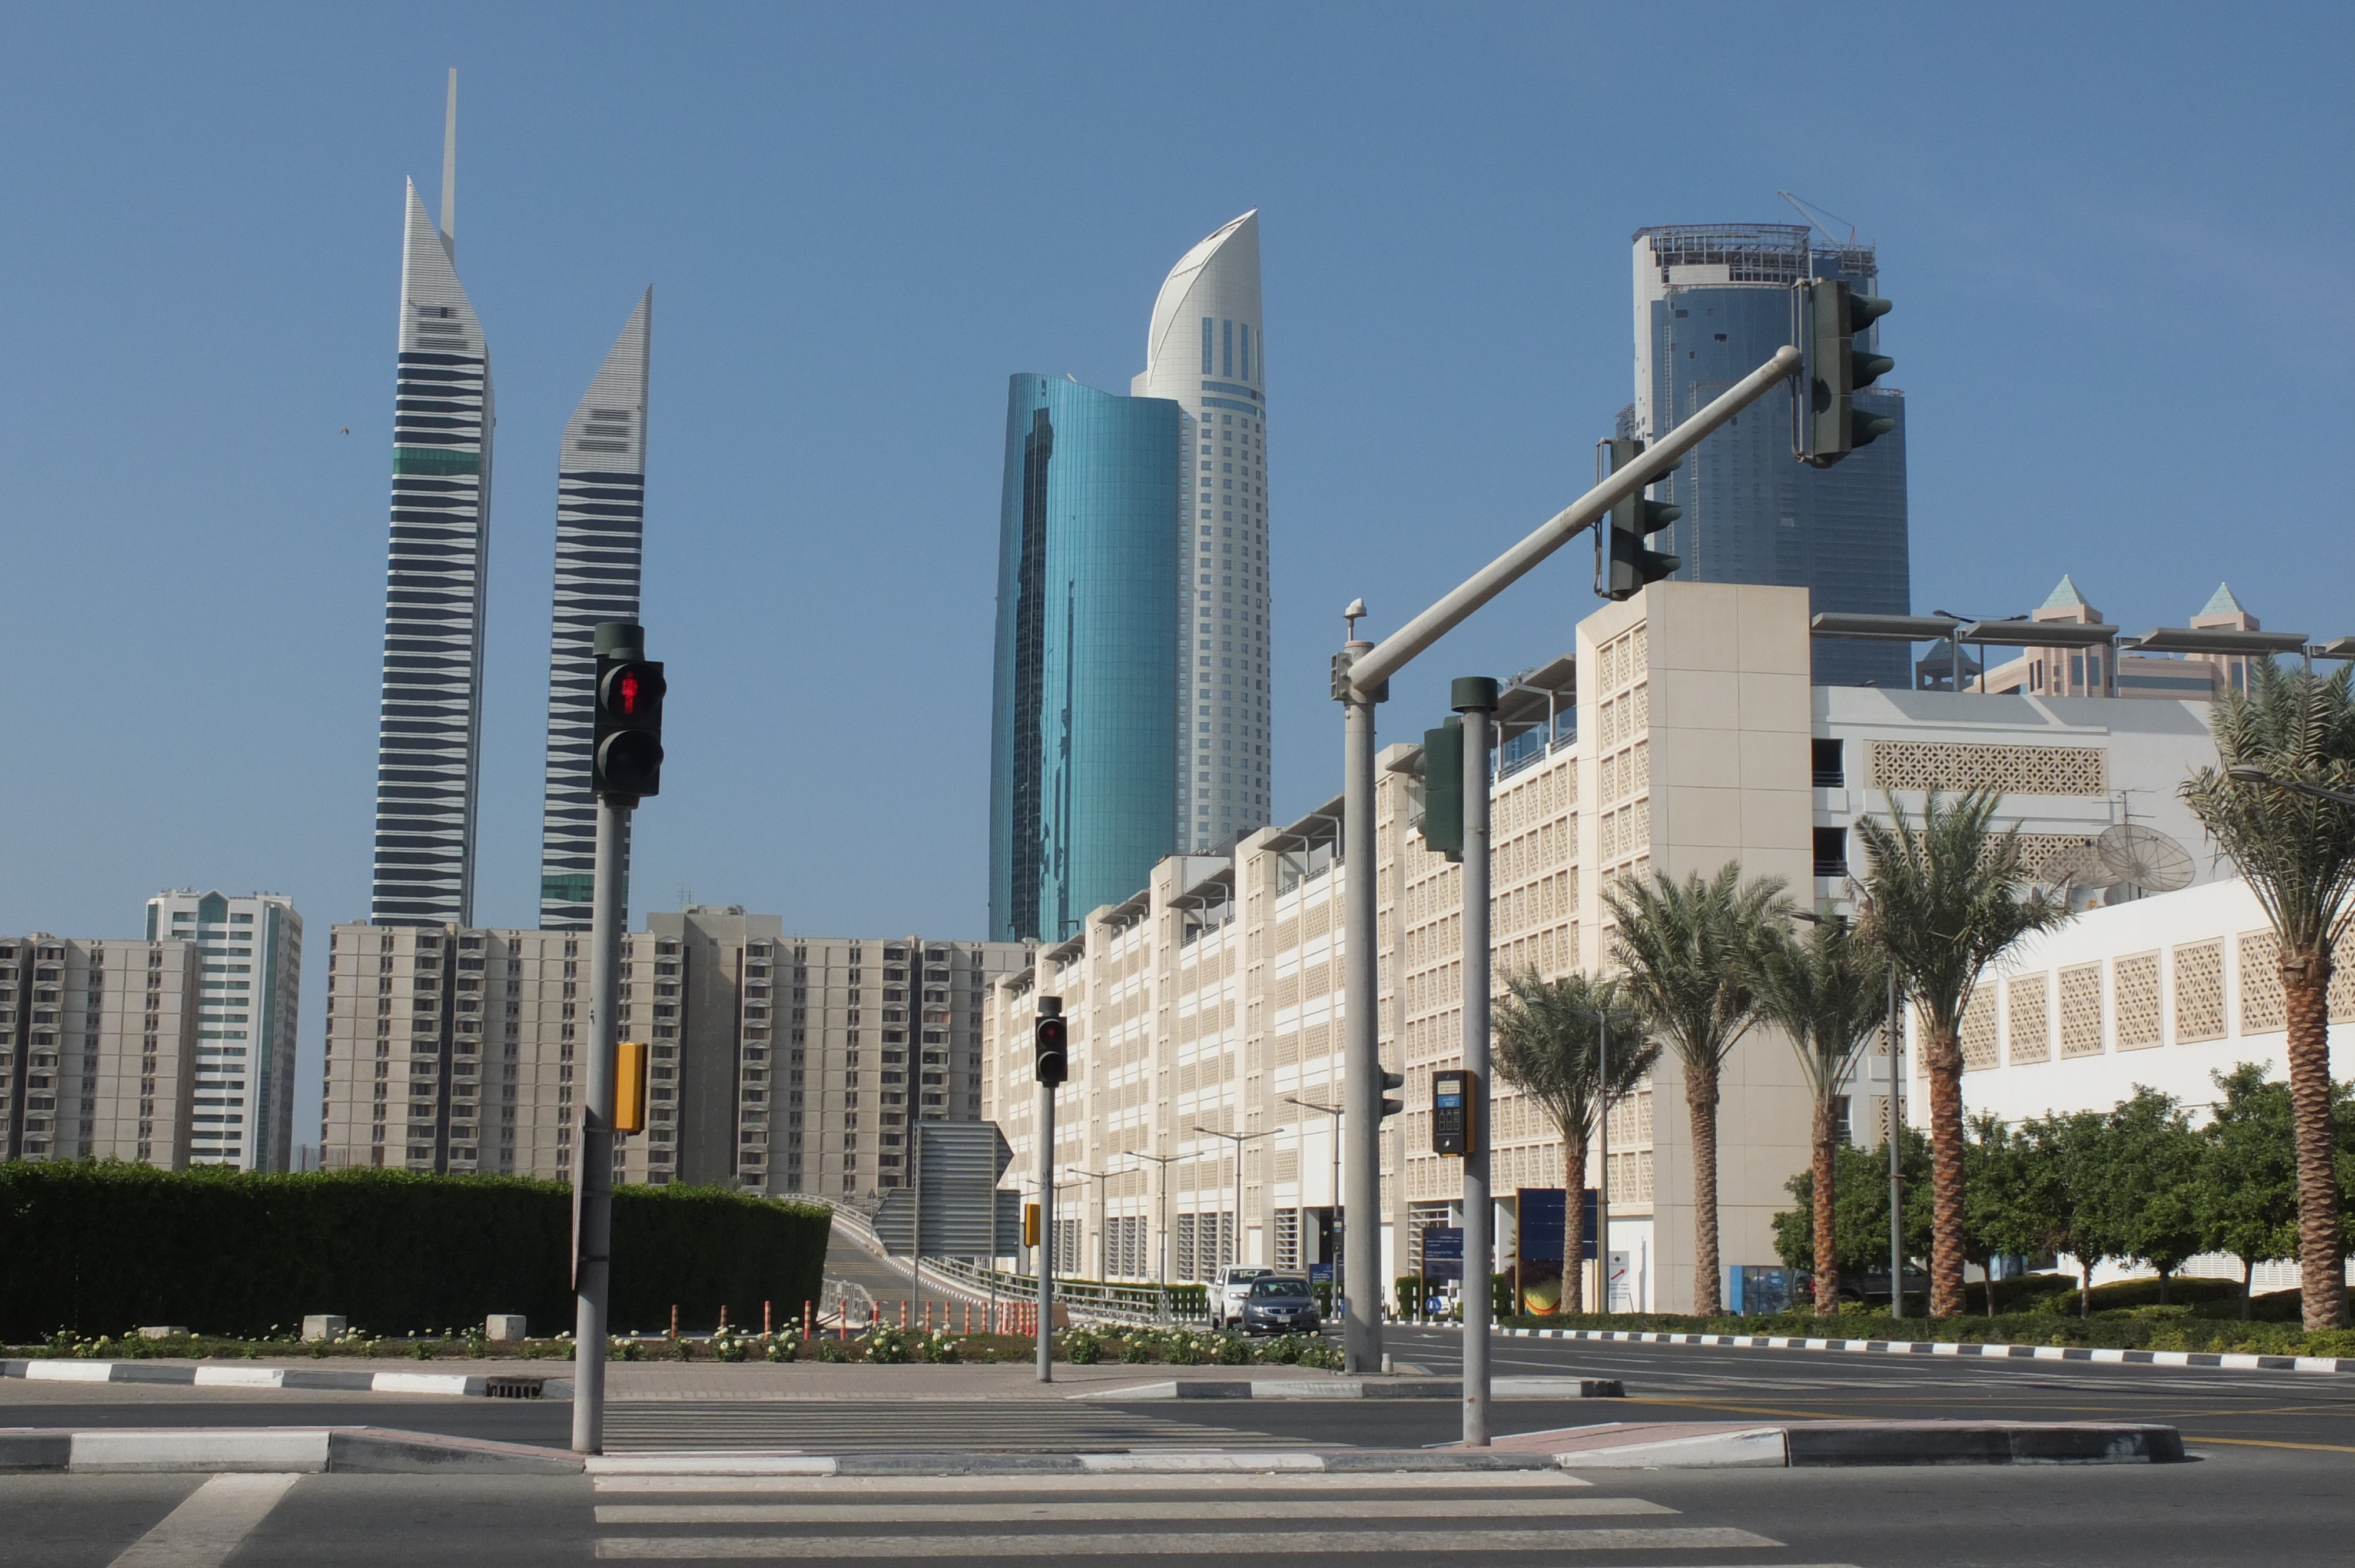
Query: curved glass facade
point(1083, 770)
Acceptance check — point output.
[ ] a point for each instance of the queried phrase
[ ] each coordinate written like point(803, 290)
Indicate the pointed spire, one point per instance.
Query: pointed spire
point(450, 170)
point(607, 430)
point(2064, 596)
point(2221, 602)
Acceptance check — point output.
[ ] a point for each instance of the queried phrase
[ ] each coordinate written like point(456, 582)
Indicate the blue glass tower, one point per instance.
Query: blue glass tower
point(1083, 756)
point(1712, 303)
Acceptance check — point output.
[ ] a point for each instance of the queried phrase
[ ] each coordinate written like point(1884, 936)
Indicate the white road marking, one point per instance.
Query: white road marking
point(210, 1524)
point(1123, 1513)
point(1259, 1543)
point(935, 1485)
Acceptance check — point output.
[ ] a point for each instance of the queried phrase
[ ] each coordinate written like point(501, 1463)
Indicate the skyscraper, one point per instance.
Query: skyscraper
point(1084, 772)
point(243, 1110)
point(1207, 351)
point(428, 756)
point(1131, 707)
point(1712, 303)
point(600, 513)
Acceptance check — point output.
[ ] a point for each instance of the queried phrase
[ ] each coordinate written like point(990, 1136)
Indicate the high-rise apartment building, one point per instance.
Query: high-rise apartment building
point(1712, 303)
point(171, 1051)
point(250, 962)
point(428, 754)
point(1130, 700)
point(777, 1063)
point(600, 514)
point(1207, 351)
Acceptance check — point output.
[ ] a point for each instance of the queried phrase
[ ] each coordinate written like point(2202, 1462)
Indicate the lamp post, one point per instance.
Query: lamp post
point(1103, 1221)
point(1238, 1139)
point(2295, 785)
point(1160, 1228)
point(1335, 1112)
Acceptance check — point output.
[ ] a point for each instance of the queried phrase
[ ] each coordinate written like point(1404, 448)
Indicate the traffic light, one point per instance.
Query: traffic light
point(1831, 316)
point(1442, 789)
point(628, 744)
point(1622, 563)
point(1030, 1224)
point(1050, 1060)
point(1391, 1107)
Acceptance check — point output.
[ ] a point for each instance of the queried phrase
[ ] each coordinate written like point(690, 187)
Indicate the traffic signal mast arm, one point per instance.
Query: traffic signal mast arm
point(1388, 657)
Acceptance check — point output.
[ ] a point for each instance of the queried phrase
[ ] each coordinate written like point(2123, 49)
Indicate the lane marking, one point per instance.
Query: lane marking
point(1122, 1512)
point(1259, 1543)
point(2269, 1443)
point(1091, 1484)
point(210, 1524)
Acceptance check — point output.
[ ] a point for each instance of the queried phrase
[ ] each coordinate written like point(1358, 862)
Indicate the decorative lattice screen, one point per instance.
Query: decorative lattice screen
point(2032, 1019)
point(2135, 981)
point(2080, 1010)
point(2198, 991)
point(2014, 770)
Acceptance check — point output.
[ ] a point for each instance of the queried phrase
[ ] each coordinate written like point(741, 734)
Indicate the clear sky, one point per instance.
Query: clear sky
point(2117, 237)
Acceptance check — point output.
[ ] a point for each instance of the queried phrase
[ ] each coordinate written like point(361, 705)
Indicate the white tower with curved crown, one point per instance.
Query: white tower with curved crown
point(1206, 352)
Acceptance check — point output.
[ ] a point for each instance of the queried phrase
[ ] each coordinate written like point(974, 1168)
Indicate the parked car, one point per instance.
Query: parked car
point(1228, 1291)
point(1281, 1304)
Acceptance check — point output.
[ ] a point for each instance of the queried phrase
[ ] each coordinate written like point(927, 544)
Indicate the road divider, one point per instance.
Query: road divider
point(235, 1374)
point(1955, 1348)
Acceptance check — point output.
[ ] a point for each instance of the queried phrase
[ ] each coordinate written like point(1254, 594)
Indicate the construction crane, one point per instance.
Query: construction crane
point(1815, 216)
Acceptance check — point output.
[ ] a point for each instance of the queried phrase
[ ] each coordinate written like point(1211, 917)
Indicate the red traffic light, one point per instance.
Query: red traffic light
point(632, 692)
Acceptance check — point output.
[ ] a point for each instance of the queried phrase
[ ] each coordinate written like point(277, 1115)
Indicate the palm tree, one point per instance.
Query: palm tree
point(1945, 902)
point(1572, 1045)
point(2297, 853)
point(1690, 952)
point(1829, 992)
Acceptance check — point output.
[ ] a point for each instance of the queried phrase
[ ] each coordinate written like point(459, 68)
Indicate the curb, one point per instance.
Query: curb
point(302, 1450)
point(1364, 1388)
point(233, 1375)
point(2211, 1359)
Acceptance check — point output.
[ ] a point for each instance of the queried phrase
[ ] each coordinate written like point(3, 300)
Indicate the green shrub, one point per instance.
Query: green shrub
point(1233, 1351)
point(888, 1345)
point(1135, 1350)
point(833, 1351)
point(240, 1252)
point(1081, 1348)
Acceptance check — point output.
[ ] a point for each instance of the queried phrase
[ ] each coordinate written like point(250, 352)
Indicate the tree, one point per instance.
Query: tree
point(1829, 991)
point(2063, 1162)
point(1943, 902)
point(1690, 951)
point(1572, 1045)
point(2145, 1187)
point(1996, 1185)
point(1860, 1208)
point(2246, 1202)
point(2297, 853)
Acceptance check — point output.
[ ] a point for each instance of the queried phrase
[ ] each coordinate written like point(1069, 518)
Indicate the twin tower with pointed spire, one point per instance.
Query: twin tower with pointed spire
point(428, 748)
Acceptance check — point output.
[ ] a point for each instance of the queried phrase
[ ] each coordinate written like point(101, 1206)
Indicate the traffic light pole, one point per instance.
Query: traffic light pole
point(1046, 1232)
point(592, 1159)
point(1359, 674)
point(1475, 699)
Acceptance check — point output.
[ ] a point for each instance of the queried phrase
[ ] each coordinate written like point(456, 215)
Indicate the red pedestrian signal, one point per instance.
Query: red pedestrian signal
point(629, 753)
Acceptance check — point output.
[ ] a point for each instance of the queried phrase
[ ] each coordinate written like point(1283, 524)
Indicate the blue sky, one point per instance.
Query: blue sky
point(2117, 237)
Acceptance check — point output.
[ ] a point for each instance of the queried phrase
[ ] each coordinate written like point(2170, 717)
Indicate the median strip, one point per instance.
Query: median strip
point(1966, 1348)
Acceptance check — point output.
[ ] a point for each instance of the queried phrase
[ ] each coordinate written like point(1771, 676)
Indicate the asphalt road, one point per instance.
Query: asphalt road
point(2284, 1508)
point(1708, 1383)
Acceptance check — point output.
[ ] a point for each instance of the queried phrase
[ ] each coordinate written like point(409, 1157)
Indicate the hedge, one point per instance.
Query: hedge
point(101, 1247)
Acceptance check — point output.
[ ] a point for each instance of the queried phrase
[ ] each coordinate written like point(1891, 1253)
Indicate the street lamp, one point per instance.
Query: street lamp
point(1335, 1113)
point(1103, 1221)
point(2296, 786)
point(1238, 1139)
point(1161, 1227)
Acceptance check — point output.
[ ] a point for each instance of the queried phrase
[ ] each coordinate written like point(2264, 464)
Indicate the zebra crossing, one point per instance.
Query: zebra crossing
point(1408, 1517)
point(944, 1427)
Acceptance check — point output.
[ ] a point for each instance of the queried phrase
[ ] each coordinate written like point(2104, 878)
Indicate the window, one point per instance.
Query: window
point(1832, 852)
point(1828, 772)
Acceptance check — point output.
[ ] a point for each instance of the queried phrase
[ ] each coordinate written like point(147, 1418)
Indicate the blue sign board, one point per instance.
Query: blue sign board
point(1443, 1252)
point(1323, 1271)
point(1538, 1232)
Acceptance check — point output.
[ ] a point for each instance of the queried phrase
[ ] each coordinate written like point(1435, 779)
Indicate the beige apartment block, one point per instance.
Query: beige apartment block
point(101, 1051)
point(775, 1064)
point(1210, 1003)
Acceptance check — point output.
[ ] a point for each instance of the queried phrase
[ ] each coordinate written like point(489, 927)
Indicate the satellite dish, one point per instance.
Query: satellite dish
point(2143, 856)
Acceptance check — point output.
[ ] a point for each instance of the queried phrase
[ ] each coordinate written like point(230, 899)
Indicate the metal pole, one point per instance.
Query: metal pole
point(1046, 1232)
point(593, 1170)
point(1362, 1256)
point(1379, 663)
point(1896, 1129)
point(916, 1218)
point(1475, 699)
point(1603, 1164)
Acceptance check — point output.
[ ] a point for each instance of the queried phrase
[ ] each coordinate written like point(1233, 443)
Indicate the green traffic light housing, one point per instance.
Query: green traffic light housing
point(1623, 562)
point(1391, 1107)
point(1442, 789)
point(1828, 316)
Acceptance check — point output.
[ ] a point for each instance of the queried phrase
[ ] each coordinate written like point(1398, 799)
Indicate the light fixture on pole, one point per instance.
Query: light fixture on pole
point(1236, 1239)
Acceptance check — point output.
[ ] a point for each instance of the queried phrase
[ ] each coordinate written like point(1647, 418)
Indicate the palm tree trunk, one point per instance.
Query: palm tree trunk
point(1944, 1063)
point(2306, 983)
point(1573, 1225)
point(1827, 1233)
point(2248, 1279)
point(1701, 1104)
